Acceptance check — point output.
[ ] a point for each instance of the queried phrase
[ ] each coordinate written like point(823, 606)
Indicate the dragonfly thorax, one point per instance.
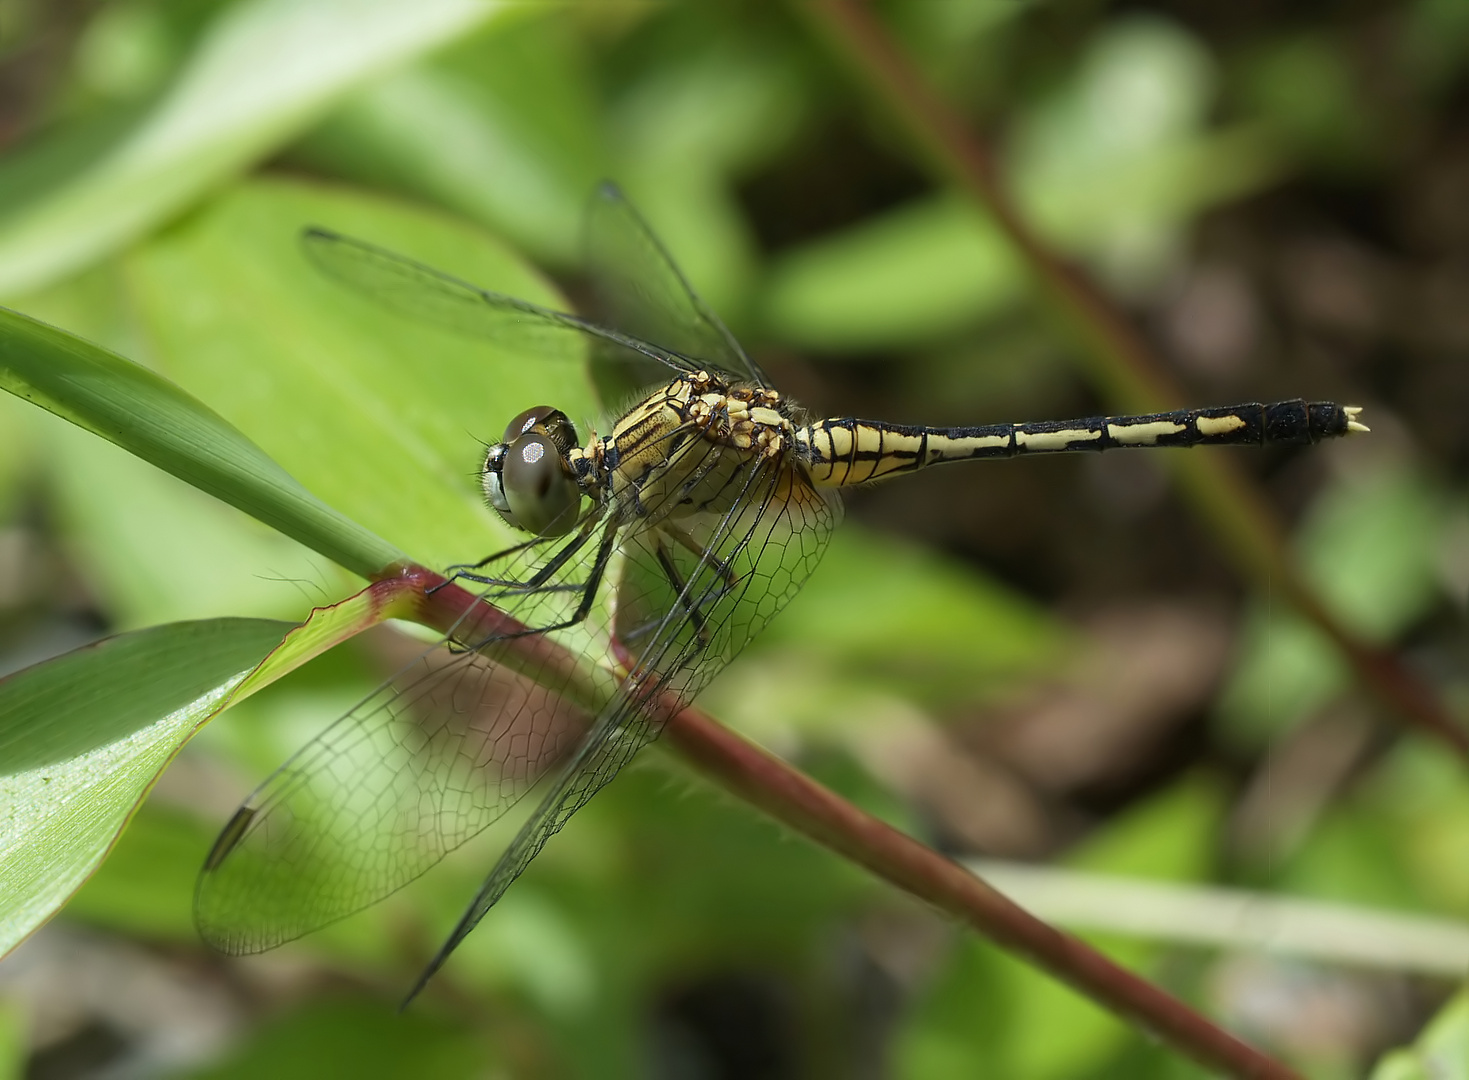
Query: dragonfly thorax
point(679, 448)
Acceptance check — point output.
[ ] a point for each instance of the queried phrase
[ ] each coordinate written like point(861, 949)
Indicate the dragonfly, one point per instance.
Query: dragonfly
point(656, 552)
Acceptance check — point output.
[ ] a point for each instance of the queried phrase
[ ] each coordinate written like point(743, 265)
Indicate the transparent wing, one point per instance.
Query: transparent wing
point(695, 593)
point(645, 294)
point(419, 767)
point(446, 747)
point(421, 292)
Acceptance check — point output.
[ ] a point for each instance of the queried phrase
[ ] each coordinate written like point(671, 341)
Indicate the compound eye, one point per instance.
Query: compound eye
point(539, 492)
point(527, 421)
point(546, 421)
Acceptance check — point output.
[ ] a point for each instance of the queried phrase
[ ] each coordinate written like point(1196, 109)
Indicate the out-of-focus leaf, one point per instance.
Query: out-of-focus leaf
point(534, 946)
point(83, 737)
point(858, 651)
point(1168, 837)
point(1144, 83)
point(15, 450)
point(502, 128)
point(154, 419)
point(947, 1034)
point(1397, 843)
point(1286, 671)
point(31, 172)
point(125, 51)
point(12, 1041)
point(912, 274)
point(1130, 123)
point(684, 131)
point(1441, 1051)
point(267, 70)
point(989, 1014)
point(1424, 794)
point(1435, 43)
point(349, 1037)
point(146, 884)
point(382, 415)
point(1378, 570)
point(151, 549)
point(923, 620)
point(1236, 920)
point(1354, 855)
point(945, 28)
point(721, 108)
point(938, 265)
point(1304, 88)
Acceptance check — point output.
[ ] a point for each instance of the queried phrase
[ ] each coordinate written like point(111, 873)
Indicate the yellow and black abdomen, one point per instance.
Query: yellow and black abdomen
point(841, 452)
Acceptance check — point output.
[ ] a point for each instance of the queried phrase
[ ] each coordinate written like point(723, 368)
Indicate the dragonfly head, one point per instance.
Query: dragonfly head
point(527, 478)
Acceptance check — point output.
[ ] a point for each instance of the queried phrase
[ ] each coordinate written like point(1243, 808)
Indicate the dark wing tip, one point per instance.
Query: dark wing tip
point(609, 189)
point(230, 836)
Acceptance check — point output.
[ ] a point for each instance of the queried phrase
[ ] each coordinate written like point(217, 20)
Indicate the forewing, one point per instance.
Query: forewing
point(644, 294)
point(421, 292)
point(750, 561)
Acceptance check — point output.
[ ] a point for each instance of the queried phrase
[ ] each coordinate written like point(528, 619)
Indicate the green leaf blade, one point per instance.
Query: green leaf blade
point(152, 418)
point(386, 417)
point(265, 72)
point(84, 736)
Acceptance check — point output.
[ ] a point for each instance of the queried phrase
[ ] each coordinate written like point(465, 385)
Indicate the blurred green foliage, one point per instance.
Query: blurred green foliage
point(163, 154)
point(1442, 1050)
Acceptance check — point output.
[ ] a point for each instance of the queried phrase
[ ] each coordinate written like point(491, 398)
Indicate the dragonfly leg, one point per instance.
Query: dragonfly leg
point(537, 582)
point(722, 568)
point(466, 571)
point(689, 605)
point(606, 545)
point(692, 606)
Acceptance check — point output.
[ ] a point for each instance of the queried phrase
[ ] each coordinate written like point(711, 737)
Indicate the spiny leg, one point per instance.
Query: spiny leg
point(598, 571)
point(536, 581)
point(722, 568)
point(689, 605)
point(459, 570)
point(666, 529)
point(714, 578)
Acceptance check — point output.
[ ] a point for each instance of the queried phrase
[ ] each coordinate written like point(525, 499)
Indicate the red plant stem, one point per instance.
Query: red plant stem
point(792, 798)
point(819, 814)
point(1119, 359)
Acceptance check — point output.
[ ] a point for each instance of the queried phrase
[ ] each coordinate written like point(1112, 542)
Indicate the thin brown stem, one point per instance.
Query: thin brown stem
point(1118, 359)
point(817, 813)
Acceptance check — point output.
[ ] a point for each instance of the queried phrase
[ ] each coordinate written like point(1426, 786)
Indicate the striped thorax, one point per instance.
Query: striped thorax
point(649, 460)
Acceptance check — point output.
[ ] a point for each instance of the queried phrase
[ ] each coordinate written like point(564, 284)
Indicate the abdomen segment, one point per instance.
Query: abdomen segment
point(841, 452)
